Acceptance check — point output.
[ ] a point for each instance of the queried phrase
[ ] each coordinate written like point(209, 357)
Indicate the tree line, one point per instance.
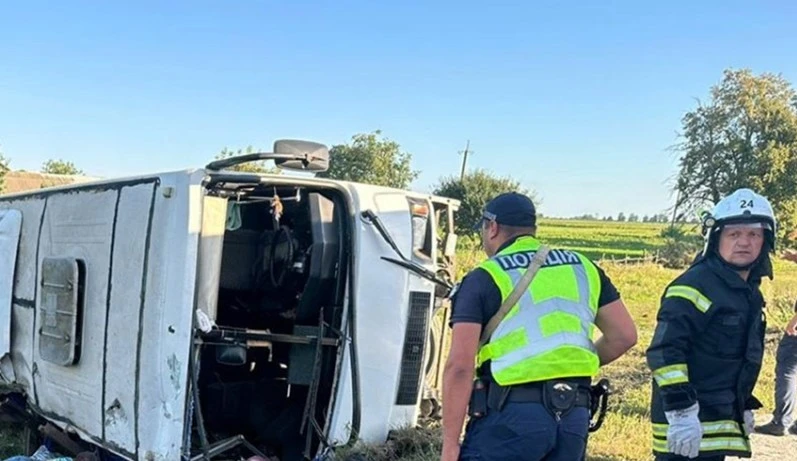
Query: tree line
point(633, 217)
point(745, 135)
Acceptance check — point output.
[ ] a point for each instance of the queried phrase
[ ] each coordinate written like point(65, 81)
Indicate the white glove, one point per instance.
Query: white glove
point(685, 432)
point(749, 421)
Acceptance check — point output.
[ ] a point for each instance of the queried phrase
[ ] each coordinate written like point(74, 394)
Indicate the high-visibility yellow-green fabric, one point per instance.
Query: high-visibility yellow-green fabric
point(548, 333)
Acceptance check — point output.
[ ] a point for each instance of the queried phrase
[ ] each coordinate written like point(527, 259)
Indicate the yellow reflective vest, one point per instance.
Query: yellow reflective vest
point(548, 333)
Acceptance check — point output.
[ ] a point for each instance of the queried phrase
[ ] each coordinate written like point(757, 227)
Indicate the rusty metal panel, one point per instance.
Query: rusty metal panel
point(59, 333)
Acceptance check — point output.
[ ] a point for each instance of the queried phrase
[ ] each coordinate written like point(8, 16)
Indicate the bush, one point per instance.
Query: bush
point(677, 254)
point(680, 247)
point(474, 191)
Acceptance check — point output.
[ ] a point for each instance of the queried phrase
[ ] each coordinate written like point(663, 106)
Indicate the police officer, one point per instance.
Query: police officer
point(530, 400)
point(706, 352)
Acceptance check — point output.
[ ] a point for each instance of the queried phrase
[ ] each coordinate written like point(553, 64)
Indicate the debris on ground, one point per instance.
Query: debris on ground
point(42, 454)
point(45, 454)
point(412, 444)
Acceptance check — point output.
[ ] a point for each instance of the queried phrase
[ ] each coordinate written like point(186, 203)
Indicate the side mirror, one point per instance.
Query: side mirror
point(288, 154)
point(301, 155)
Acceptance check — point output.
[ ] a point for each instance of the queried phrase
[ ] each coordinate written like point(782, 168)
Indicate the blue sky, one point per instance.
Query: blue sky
point(579, 101)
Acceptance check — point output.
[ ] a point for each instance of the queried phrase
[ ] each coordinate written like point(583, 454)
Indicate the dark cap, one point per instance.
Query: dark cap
point(510, 209)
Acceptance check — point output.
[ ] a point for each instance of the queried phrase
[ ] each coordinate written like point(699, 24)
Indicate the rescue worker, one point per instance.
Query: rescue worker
point(536, 367)
point(707, 348)
point(785, 378)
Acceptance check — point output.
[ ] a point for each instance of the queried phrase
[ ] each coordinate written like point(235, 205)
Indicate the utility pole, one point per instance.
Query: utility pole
point(464, 160)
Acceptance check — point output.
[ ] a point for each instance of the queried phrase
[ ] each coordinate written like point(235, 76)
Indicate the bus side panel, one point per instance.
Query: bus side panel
point(76, 225)
point(126, 273)
point(24, 294)
point(167, 317)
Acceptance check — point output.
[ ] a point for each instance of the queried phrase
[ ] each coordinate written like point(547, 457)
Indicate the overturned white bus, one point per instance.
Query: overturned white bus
point(190, 314)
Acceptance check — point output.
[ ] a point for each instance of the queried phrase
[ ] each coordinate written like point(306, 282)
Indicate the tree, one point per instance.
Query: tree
point(60, 167)
point(746, 136)
point(371, 160)
point(474, 191)
point(633, 217)
point(249, 167)
point(621, 217)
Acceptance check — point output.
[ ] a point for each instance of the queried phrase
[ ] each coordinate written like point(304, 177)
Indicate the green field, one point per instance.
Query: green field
point(604, 240)
point(625, 434)
point(598, 240)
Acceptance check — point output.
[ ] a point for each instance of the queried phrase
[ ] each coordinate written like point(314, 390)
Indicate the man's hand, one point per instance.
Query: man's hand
point(790, 255)
point(791, 328)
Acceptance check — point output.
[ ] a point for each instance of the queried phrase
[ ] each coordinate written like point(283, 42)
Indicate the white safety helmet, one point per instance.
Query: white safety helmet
point(743, 206)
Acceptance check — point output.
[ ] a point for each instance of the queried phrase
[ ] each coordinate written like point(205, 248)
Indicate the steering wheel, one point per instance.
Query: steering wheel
point(277, 272)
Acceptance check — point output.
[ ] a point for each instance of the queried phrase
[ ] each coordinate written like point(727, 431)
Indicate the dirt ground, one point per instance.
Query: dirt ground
point(770, 448)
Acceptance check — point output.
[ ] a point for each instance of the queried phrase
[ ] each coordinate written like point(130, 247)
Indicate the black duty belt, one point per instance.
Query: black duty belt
point(500, 395)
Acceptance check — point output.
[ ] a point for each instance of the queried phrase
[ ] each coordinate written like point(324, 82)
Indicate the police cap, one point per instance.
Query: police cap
point(509, 209)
